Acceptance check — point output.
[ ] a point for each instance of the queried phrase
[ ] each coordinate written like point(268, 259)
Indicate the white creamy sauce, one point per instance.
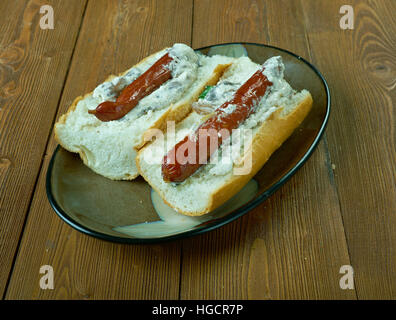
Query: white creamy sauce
point(243, 69)
point(172, 222)
point(184, 72)
point(225, 89)
point(231, 150)
point(109, 90)
point(230, 108)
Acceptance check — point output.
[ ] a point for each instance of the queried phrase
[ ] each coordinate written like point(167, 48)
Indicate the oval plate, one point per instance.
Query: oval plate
point(105, 209)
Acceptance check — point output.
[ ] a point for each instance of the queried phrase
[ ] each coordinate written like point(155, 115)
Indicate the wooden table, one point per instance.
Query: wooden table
point(339, 209)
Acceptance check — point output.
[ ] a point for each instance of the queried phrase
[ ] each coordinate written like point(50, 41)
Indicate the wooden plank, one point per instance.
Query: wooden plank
point(114, 36)
point(293, 245)
point(33, 67)
point(360, 67)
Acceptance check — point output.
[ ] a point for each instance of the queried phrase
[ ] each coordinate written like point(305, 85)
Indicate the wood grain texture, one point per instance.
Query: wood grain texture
point(33, 67)
point(228, 21)
point(293, 245)
point(360, 65)
point(114, 36)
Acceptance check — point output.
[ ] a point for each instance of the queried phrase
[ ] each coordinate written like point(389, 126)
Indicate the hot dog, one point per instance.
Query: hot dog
point(254, 99)
point(144, 85)
point(244, 101)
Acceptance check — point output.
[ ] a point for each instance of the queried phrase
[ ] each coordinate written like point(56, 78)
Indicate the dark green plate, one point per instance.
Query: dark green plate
point(98, 206)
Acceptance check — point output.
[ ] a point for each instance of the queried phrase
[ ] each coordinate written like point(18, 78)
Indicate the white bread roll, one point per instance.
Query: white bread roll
point(109, 148)
point(276, 116)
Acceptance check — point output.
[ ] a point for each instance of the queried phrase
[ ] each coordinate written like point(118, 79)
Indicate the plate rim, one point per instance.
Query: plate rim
point(237, 213)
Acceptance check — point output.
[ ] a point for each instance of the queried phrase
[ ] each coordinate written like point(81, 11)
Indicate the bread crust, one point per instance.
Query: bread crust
point(263, 145)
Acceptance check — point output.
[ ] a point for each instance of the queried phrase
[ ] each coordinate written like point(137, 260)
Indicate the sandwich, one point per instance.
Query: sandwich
point(233, 128)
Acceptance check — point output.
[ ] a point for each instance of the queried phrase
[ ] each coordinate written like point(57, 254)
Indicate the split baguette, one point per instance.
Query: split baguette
point(110, 148)
point(214, 183)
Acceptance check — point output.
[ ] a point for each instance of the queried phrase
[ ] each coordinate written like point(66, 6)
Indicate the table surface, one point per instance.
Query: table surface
point(339, 209)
